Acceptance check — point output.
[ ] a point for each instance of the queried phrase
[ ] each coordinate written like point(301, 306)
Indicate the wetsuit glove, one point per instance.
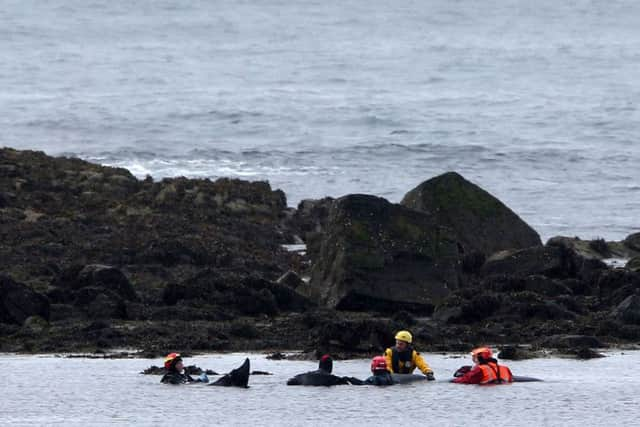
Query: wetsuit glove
point(203, 378)
point(430, 376)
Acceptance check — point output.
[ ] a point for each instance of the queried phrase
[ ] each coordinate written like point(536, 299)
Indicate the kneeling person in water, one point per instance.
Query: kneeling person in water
point(319, 377)
point(485, 369)
point(175, 375)
point(381, 375)
point(403, 359)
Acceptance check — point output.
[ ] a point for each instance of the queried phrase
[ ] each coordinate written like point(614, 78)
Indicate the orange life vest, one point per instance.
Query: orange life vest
point(490, 374)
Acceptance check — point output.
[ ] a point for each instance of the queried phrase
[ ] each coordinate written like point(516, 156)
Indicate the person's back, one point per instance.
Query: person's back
point(380, 378)
point(320, 377)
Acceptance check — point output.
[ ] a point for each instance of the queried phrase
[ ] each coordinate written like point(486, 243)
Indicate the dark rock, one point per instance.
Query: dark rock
point(586, 353)
point(243, 329)
point(473, 262)
point(573, 341)
point(19, 302)
point(290, 279)
point(95, 276)
point(633, 241)
point(35, 325)
point(514, 352)
point(404, 318)
point(108, 278)
point(380, 256)
point(613, 286)
point(277, 356)
point(481, 222)
point(62, 312)
point(105, 306)
point(601, 247)
point(628, 311)
point(633, 264)
point(286, 298)
point(261, 373)
point(543, 260)
point(312, 216)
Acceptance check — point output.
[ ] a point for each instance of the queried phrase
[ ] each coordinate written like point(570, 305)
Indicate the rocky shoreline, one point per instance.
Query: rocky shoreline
point(92, 259)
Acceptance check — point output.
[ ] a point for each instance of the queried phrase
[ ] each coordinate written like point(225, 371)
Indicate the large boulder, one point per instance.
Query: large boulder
point(96, 276)
point(375, 255)
point(628, 310)
point(481, 222)
point(633, 264)
point(19, 302)
point(633, 241)
point(551, 260)
point(543, 260)
point(311, 216)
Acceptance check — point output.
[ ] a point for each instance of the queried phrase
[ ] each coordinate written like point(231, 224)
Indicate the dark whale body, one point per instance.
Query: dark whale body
point(239, 377)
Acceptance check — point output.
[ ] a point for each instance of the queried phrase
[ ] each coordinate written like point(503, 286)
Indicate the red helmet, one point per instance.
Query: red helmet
point(170, 359)
point(378, 363)
point(483, 352)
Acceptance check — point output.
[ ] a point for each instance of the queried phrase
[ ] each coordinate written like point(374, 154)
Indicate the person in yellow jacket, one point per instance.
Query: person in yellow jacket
point(403, 359)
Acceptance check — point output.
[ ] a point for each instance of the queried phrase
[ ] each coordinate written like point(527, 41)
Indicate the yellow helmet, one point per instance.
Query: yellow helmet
point(404, 336)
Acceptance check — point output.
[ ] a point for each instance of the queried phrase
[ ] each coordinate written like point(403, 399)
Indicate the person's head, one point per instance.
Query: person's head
point(173, 362)
point(403, 339)
point(481, 355)
point(378, 364)
point(326, 363)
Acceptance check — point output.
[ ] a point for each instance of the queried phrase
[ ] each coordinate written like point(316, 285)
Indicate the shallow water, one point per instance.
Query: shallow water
point(537, 102)
point(46, 390)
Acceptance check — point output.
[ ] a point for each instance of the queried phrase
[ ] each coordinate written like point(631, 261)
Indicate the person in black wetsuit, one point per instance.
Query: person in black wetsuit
point(381, 375)
point(321, 376)
point(175, 375)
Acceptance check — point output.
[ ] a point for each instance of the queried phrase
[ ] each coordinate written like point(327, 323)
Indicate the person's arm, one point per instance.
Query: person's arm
point(387, 358)
point(421, 364)
point(474, 376)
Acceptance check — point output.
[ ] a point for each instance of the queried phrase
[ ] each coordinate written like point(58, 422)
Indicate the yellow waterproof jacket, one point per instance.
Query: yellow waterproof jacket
point(405, 362)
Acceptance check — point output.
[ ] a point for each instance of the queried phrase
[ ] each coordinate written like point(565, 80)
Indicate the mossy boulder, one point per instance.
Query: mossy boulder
point(481, 221)
point(633, 241)
point(633, 264)
point(375, 255)
point(19, 302)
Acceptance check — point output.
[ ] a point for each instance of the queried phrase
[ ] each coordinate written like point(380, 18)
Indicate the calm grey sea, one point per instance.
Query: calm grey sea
point(45, 390)
point(537, 102)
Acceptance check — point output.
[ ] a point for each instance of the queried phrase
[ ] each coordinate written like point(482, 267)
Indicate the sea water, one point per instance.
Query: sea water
point(48, 390)
point(537, 102)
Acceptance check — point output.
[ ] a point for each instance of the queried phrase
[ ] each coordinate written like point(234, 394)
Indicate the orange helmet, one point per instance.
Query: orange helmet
point(378, 363)
point(482, 352)
point(170, 359)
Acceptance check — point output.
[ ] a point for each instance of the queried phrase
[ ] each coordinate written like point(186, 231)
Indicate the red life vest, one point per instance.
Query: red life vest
point(490, 374)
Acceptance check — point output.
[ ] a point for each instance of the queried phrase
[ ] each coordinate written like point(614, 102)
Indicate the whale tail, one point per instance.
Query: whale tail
point(239, 377)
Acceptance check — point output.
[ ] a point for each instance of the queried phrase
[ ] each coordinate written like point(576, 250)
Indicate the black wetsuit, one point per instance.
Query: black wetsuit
point(318, 377)
point(380, 378)
point(175, 377)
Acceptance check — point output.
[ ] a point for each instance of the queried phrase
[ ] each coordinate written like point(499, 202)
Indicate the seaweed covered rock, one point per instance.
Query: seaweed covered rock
point(376, 255)
point(632, 241)
point(633, 264)
point(19, 302)
point(543, 260)
point(628, 311)
point(481, 222)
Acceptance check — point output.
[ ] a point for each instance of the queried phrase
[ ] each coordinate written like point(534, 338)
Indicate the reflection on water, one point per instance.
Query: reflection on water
point(45, 390)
